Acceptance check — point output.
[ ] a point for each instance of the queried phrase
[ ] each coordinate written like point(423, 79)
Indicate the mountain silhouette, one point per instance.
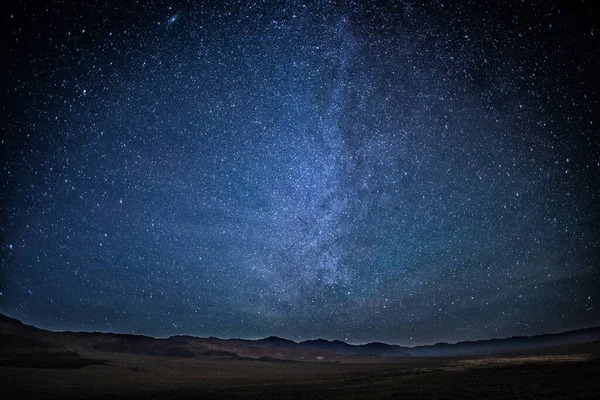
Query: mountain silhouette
point(18, 340)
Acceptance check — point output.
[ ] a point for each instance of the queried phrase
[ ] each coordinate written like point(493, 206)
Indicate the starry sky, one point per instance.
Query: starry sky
point(408, 172)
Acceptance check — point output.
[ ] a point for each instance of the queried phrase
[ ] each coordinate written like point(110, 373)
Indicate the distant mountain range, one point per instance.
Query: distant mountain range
point(20, 342)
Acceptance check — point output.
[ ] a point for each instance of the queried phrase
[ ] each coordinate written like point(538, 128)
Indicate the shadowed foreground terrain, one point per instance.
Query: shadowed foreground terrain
point(39, 364)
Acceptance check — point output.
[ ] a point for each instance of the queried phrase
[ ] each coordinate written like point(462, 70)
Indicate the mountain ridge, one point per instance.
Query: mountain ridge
point(274, 346)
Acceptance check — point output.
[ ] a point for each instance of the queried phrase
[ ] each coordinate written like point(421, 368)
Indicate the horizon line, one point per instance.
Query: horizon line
point(302, 341)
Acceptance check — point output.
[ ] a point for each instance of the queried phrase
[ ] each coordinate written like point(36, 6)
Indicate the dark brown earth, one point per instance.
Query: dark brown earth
point(38, 364)
point(142, 377)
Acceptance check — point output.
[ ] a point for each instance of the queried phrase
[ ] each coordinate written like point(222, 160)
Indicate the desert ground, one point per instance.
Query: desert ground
point(42, 364)
point(572, 372)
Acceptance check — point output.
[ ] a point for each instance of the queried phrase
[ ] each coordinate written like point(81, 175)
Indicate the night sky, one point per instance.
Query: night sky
point(407, 172)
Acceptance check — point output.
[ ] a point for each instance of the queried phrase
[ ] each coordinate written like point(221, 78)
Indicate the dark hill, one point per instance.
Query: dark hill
point(17, 338)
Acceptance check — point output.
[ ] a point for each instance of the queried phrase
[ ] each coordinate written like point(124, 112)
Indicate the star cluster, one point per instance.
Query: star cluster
point(407, 172)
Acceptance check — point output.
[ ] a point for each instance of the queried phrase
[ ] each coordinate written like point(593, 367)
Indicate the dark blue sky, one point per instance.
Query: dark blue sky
point(407, 172)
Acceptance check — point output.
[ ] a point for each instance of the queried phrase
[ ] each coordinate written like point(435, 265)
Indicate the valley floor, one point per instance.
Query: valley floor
point(123, 376)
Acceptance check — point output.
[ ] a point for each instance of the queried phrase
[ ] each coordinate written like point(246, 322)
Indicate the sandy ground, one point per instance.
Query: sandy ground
point(127, 376)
